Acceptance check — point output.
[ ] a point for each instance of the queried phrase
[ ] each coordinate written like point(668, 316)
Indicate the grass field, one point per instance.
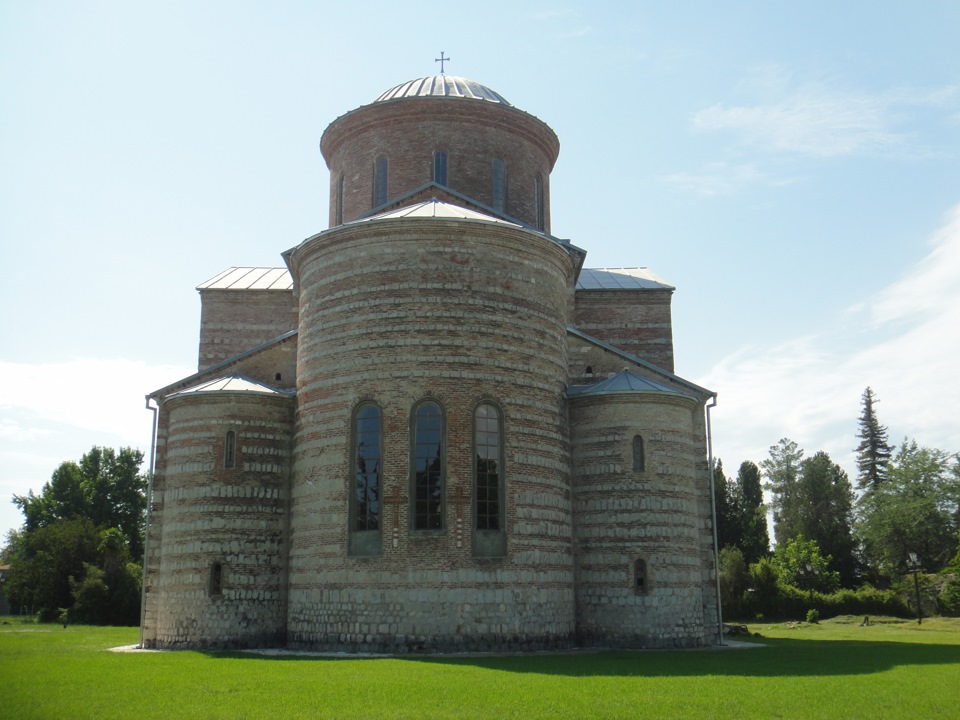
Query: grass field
point(832, 670)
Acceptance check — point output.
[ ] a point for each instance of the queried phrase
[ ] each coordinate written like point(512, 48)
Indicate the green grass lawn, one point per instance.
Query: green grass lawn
point(832, 670)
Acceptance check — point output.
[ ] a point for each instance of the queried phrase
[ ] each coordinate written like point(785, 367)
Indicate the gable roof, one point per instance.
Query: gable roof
point(234, 383)
point(624, 382)
point(249, 278)
point(213, 371)
point(635, 278)
point(696, 389)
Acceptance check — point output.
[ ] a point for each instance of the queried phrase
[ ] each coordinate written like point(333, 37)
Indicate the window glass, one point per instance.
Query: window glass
point(639, 461)
point(489, 452)
point(380, 181)
point(538, 189)
point(230, 449)
point(216, 579)
point(340, 186)
point(440, 167)
point(367, 442)
point(499, 185)
point(640, 580)
point(428, 467)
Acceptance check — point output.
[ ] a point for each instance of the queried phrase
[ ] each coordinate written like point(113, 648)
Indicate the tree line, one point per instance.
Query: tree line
point(902, 514)
point(76, 557)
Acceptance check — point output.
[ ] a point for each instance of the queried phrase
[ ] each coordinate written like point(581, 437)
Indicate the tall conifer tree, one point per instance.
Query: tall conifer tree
point(873, 452)
point(752, 514)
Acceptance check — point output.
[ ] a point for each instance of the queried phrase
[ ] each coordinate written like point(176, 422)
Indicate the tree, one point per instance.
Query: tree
point(782, 470)
point(79, 534)
point(873, 452)
point(45, 560)
point(728, 532)
point(751, 513)
point(826, 495)
point(800, 563)
point(813, 497)
point(734, 577)
point(105, 486)
point(914, 511)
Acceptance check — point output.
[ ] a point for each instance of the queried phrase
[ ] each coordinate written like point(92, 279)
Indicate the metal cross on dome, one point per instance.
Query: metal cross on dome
point(441, 60)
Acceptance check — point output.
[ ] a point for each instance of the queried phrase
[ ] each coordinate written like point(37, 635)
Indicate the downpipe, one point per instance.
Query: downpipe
point(713, 512)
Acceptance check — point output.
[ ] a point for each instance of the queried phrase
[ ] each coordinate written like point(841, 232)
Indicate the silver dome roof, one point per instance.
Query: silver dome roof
point(443, 86)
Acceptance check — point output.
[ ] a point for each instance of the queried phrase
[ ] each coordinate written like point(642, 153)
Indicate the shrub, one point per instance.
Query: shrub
point(813, 616)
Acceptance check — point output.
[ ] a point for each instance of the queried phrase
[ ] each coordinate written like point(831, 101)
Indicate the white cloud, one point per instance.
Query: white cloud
point(100, 395)
point(903, 342)
point(56, 411)
point(715, 179)
point(815, 120)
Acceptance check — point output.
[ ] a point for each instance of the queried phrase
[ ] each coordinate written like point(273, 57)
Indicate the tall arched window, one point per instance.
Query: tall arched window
point(380, 168)
point(440, 167)
point(639, 459)
point(367, 452)
point(230, 449)
point(541, 212)
point(340, 186)
point(428, 466)
point(488, 447)
point(499, 185)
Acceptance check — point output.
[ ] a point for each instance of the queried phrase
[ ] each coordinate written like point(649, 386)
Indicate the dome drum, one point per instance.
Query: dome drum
point(404, 137)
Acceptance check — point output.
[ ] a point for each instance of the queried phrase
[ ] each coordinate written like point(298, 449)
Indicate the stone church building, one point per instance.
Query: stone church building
point(433, 429)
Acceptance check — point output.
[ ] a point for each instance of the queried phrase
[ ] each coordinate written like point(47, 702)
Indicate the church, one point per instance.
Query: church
point(433, 428)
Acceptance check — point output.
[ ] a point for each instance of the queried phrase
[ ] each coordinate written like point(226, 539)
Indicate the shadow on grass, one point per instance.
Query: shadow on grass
point(780, 657)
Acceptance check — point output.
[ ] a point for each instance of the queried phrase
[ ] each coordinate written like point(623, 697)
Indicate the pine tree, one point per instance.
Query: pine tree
point(727, 530)
point(751, 513)
point(782, 470)
point(873, 452)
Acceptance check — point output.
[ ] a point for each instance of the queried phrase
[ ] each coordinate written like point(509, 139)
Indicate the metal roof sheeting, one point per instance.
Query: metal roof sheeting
point(233, 384)
point(250, 278)
point(623, 382)
point(621, 279)
point(443, 86)
point(434, 208)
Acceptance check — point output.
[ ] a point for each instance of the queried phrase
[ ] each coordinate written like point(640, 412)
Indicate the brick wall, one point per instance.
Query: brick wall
point(233, 321)
point(622, 515)
point(408, 131)
point(394, 312)
point(636, 321)
point(204, 513)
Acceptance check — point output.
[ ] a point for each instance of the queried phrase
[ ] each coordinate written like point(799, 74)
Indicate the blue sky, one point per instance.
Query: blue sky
point(793, 170)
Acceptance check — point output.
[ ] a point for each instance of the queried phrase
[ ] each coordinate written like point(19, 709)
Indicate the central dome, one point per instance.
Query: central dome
point(443, 86)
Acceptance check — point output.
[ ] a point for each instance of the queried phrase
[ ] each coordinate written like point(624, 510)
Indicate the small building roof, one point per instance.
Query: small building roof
point(443, 86)
point(636, 278)
point(623, 382)
point(250, 278)
point(231, 384)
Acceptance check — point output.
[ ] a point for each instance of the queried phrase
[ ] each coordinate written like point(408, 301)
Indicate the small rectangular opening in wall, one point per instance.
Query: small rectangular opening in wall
point(215, 588)
point(641, 581)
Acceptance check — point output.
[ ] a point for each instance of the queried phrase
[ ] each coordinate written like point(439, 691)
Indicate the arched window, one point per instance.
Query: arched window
point(230, 450)
point(380, 181)
point(428, 466)
point(538, 189)
point(340, 186)
point(488, 447)
point(639, 460)
point(440, 167)
point(499, 185)
point(641, 582)
point(367, 452)
point(215, 587)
